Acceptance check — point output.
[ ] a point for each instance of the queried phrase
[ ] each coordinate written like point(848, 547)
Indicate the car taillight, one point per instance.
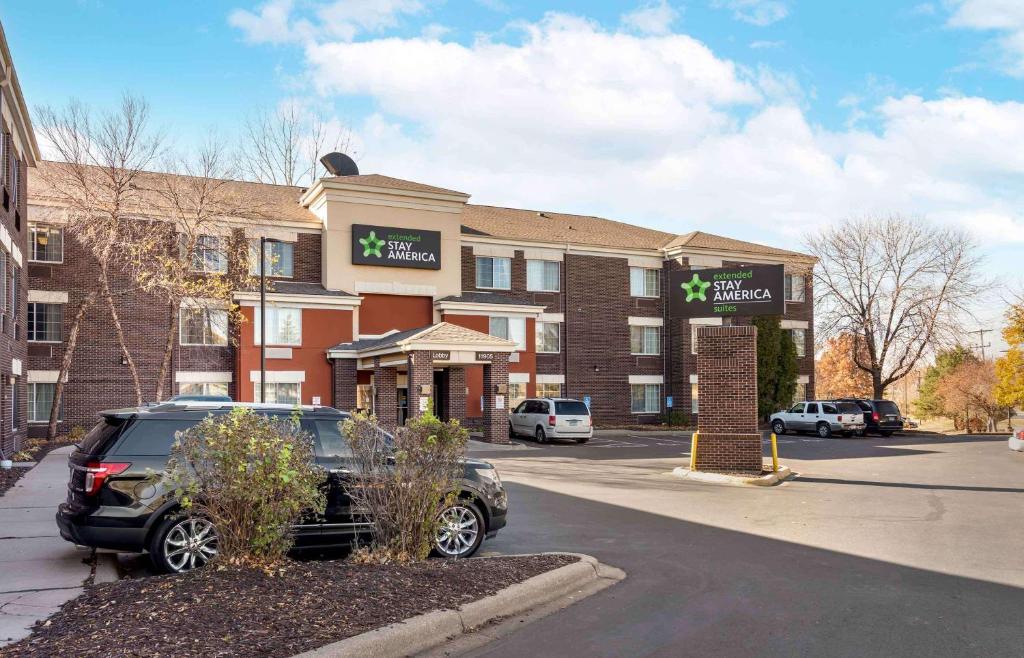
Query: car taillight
point(839, 420)
point(1020, 435)
point(589, 421)
point(875, 416)
point(551, 421)
point(97, 473)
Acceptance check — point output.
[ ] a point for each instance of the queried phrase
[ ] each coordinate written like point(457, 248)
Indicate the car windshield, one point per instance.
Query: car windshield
point(571, 408)
point(849, 408)
point(887, 407)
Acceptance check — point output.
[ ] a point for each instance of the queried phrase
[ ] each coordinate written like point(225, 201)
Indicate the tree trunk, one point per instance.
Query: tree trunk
point(65, 364)
point(876, 384)
point(119, 332)
point(165, 364)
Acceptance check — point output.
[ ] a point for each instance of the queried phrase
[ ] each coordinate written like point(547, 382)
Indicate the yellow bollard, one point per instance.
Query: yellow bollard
point(775, 455)
point(693, 452)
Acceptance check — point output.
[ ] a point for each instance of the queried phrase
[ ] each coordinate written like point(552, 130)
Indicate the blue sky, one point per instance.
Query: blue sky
point(759, 119)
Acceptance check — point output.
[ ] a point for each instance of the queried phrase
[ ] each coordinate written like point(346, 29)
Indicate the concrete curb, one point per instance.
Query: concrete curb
point(770, 480)
point(426, 631)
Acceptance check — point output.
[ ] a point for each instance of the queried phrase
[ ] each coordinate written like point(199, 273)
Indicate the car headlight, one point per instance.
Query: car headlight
point(489, 475)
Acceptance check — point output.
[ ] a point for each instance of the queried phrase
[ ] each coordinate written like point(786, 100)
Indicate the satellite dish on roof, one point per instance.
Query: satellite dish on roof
point(339, 164)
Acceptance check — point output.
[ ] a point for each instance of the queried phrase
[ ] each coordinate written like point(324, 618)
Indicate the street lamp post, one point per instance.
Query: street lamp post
point(263, 316)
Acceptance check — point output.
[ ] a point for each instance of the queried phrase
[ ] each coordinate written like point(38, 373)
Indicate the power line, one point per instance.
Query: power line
point(981, 340)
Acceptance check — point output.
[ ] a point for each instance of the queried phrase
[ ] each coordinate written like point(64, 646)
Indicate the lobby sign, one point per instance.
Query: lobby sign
point(390, 246)
point(728, 291)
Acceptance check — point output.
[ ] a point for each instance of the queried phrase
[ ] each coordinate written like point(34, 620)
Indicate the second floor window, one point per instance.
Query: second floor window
point(46, 244)
point(542, 275)
point(44, 322)
point(209, 255)
point(644, 282)
point(278, 260)
point(645, 340)
point(795, 288)
point(203, 326)
point(493, 272)
point(509, 329)
point(799, 341)
point(284, 326)
point(547, 337)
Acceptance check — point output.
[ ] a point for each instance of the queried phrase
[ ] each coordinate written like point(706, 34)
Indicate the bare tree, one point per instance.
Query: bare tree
point(99, 160)
point(900, 285)
point(284, 146)
point(191, 256)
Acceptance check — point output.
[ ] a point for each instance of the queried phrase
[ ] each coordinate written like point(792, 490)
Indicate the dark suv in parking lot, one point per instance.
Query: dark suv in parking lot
point(115, 502)
point(880, 416)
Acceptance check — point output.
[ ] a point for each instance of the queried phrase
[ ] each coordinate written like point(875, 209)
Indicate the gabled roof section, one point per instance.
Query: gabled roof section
point(443, 333)
point(710, 241)
point(377, 180)
point(544, 226)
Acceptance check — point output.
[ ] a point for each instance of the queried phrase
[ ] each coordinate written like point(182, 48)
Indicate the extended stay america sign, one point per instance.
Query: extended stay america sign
point(388, 246)
point(727, 291)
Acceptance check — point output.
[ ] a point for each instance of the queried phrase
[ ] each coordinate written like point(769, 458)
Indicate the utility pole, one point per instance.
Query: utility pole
point(981, 340)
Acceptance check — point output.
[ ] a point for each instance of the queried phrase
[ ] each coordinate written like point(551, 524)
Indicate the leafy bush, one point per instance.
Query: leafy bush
point(404, 484)
point(252, 476)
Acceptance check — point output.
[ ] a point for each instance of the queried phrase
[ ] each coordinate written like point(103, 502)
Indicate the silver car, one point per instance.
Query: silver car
point(822, 417)
point(551, 418)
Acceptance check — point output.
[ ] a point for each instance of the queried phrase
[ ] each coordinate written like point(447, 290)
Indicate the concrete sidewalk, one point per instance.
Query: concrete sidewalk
point(39, 571)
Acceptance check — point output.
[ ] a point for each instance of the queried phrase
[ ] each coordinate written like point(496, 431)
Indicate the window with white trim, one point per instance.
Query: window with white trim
point(693, 339)
point(516, 394)
point(279, 392)
point(644, 282)
point(549, 390)
point(645, 398)
point(209, 255)
point(44, 322)
point(800, 393)
point(278, 259)
point(509, 329)
point(548, 337)
point(45, 244)
point(645, 340)
point(40, 402)
point(795, 287)
point(284, 326)
point(198, 325)
point(202, 388)
point(799, 337)
point(542, 275)
point(3, 281)
point(694, 398)
point(493, 272)
point(15, 406)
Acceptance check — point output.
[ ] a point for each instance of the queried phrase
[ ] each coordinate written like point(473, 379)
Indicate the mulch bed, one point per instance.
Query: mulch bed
point(9, 476)
point(244, 612)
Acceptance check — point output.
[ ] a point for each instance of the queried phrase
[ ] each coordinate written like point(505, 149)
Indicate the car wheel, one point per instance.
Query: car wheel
point(461, 531)
point(824, 430)
point(862, 432)
point(778, 427)
point(886, 434)
point(583, 440)
point(847, 435)
point(541, 436)
point(511, 431)
point(183, 543)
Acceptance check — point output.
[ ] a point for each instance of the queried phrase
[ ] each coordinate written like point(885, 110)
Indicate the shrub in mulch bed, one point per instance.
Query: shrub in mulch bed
point(245, 612)
point(9, 476)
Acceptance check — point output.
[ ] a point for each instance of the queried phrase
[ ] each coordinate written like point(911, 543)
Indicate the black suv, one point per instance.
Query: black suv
point(880, 416)
point(114, 504)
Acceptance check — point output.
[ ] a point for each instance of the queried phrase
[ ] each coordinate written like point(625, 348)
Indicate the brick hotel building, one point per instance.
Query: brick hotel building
point(473, 307)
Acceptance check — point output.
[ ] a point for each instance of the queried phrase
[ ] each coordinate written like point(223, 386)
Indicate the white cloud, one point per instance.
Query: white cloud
point(271, 23)
point(1005, 17)
point(755, 12)
point(279, 21)
point(651, 18)
point(659, 130)
point(766, 45)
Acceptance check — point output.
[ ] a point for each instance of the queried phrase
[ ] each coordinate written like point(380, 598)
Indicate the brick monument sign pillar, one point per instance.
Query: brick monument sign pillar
point(385, 395)
point(729, 441)
point(421, 378)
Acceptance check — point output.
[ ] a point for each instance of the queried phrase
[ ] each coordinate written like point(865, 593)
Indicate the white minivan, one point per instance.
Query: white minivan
point(551, 418)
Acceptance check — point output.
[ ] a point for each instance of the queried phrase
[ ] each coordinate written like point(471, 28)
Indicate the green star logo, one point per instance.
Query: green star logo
point(371, 245)
point(695, 288)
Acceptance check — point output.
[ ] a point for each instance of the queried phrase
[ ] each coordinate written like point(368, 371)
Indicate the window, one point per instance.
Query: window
point(3, 280)
point(549, 390)
point(644, 282)
point(151, 437)
point(44, 322)
point(203, 388)
point(203, 326)
point(509, 329)
point(15, 292)
point(645, 398)
point(40, 401)
point(45, 244)
point(364, 397)
point(694, 398)
point(209, 255)
point(15, 412)
point(571, 408)
point(284, 326)
point(332, 443)
point(16, 183)
point(548, 337)
point(493, 272)
point(794, 288)
point(829, 409)
point(278, 260)
point(799, 337)
point(542, 275)
point(811, 408)
point(645, 340)
point(516, 394)
point(279, 392)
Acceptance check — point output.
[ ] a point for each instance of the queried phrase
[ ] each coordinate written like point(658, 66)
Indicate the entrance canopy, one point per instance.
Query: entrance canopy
point(446, 343)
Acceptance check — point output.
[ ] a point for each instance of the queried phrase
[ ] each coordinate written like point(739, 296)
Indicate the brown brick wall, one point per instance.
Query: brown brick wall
point(456, 394)
point(495, 421)
point(385, 391)
point(421, 373)
point(345, 381)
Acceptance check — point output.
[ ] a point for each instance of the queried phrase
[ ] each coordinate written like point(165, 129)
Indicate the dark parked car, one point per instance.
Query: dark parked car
point(113, 503)
point(880, 416)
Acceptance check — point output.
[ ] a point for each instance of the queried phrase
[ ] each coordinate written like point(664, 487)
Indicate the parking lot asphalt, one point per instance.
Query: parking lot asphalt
point(907, 546)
